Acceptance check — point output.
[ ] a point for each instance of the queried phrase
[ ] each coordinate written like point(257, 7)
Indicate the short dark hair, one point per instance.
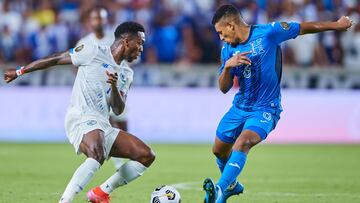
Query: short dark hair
point(224, 11)
point(128, 28)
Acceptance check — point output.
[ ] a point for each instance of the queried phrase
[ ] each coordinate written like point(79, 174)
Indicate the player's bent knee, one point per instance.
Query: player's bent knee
point(146, 158)
point(149, 158)
point(220, 154)
point(97, 152)
point(243, 145)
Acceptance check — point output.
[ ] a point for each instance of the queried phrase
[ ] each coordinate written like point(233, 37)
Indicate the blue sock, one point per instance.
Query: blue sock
point(232, 169)
point(221, 163)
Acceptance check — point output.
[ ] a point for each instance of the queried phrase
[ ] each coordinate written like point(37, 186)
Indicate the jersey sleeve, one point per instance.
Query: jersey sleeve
point(282, 31)
point(224, 57)
point(82, 54)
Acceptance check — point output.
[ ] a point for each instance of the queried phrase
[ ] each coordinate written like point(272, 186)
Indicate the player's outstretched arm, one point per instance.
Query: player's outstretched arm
point(226, 78)
point(342, 24)
point(117, 99)
point(61, 58)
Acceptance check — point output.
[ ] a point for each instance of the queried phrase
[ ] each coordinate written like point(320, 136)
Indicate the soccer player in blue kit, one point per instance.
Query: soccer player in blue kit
point(252, 53)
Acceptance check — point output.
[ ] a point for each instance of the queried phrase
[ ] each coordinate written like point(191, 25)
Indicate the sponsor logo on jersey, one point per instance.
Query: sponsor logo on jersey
point(257, 47)
point(105, 65)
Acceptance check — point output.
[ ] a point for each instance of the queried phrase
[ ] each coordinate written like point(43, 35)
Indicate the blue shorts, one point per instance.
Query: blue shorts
point(236, 120)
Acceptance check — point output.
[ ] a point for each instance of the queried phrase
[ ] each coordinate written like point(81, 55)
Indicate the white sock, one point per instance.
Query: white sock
point(118, 162)
point(81, 177)
point(125, 174)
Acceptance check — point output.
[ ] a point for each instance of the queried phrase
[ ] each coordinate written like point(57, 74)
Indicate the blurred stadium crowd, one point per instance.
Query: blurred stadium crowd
point(178, 30)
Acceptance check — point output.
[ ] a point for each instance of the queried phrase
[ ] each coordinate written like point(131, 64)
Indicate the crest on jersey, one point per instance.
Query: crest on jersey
point(267, 116)
point(79, 48)
point(122, 77)
point(247, 72)
point(285, 25)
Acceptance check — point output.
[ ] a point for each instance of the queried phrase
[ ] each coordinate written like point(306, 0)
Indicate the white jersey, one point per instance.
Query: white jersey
point(107, 40)
point(91, 94)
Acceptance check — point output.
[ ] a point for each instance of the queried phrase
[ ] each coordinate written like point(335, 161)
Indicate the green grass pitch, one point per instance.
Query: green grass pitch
point(34, 173)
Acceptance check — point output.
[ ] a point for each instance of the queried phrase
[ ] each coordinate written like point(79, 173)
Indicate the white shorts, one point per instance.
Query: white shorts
point(76, 129)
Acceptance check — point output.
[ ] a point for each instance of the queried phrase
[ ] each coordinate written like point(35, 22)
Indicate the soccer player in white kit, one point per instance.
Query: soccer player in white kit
point(101, 83)
point(102, 36)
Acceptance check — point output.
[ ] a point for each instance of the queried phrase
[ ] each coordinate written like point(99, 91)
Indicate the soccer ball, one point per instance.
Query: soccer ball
point(165, 194)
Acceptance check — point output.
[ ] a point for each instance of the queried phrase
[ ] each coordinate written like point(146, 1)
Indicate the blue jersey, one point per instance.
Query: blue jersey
point(259, 83)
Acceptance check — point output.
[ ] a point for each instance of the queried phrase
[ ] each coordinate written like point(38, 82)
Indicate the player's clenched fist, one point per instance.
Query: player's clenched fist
point(112, 78)
point(344, 23)
point(238, 59)
point(10, 75)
